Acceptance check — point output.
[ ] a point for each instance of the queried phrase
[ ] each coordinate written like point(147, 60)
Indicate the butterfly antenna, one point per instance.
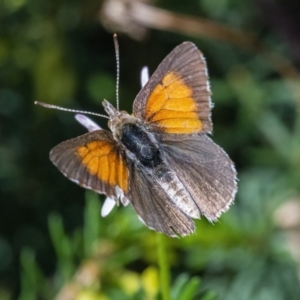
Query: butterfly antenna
point(118, 68)
point(69, 110)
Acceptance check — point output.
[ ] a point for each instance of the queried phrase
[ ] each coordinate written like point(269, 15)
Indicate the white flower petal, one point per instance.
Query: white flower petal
point(87, 122)
point(144, 76)
point(107, 207)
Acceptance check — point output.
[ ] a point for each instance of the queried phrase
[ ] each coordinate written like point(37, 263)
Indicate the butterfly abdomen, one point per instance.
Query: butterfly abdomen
point(175, 190)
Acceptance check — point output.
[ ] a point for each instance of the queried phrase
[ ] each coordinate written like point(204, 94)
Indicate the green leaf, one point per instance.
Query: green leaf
point(31, 276)
point(62, 245)
point(91, 222)
point(189, 289)
point(276, 133)
point(178, 285)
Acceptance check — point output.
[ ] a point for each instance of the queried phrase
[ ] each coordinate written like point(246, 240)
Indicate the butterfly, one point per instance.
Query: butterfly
point(159, 159)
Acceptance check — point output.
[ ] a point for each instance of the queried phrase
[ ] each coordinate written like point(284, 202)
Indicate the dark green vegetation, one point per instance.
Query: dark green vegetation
point(50, 229)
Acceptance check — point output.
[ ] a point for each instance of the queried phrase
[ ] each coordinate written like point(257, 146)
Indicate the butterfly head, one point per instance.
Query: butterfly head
point(117, 119)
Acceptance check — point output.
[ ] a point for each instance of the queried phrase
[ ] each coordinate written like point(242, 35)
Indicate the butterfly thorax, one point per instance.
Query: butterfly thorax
point(139, 145)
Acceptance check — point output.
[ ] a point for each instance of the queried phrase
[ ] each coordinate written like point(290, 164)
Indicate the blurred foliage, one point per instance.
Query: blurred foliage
point(53, 242)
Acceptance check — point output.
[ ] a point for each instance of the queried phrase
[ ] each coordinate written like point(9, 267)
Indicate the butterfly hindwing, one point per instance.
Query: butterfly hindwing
point(154, 206)
point(204, 169)
point(93, 160)
point(176, 99)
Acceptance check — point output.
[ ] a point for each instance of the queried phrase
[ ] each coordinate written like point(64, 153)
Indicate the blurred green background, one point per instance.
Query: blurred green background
point(53, 242)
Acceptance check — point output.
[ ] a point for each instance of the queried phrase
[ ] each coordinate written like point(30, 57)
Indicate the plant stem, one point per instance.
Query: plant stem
point(163, 266)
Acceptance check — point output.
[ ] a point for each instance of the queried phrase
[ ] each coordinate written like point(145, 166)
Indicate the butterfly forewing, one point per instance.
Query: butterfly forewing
point(176, 99)
point(93, 161)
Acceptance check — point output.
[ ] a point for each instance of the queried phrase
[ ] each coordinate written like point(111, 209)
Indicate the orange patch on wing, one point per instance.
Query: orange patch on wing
point(102, 160)
point(172, 108)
